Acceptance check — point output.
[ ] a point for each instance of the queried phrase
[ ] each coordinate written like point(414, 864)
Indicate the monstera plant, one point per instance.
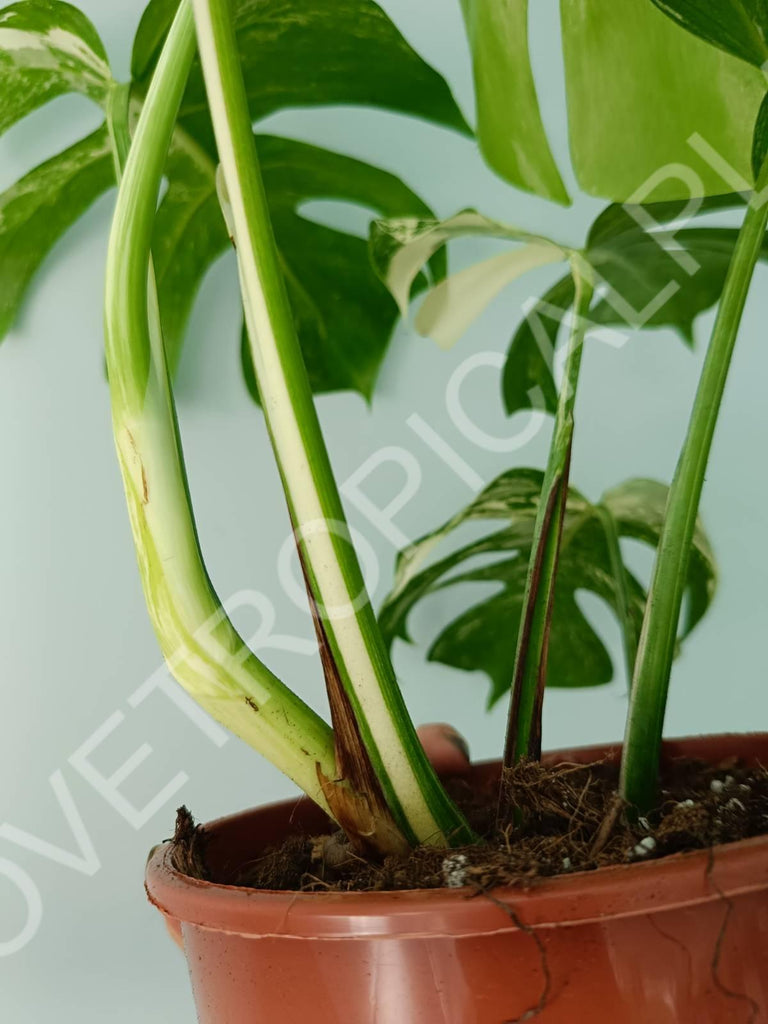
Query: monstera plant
point(667, 121)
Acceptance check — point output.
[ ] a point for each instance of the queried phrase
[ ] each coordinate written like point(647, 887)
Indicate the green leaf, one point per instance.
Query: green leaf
point(643, 284)
point(510, 130)
point(482, 638)
point(649, 277)
point(648, 287)
point(37, 210)
point(47, 49)
point(638, 507)
point(527, 381)
point(297, 54)
point(760, 141)
point(301, 53)
point(639, 87)
point(344, 316)
point(294, 54)
point(739, 27)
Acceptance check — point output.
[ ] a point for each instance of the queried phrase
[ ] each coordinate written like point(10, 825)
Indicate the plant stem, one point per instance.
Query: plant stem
point(355, 654)
point(202, 648)
point(530, 671)
point(645, 721)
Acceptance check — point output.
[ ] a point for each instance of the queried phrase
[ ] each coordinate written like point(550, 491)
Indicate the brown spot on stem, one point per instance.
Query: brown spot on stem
point(355, 796)
point(144, 483)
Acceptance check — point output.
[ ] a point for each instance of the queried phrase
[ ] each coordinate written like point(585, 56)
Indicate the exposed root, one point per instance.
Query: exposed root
point(189, 841)
point(607, 826)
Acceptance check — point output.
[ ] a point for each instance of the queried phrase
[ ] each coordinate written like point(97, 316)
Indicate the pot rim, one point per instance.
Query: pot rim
point(615, 891)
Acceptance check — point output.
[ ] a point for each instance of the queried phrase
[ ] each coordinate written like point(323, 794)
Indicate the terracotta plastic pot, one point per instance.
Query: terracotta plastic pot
point(683, 940)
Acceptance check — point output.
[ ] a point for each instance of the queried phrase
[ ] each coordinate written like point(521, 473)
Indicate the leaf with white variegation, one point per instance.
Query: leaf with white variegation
point(37, 210)
point(301, 53)
point(455, 303)
point(47, 49)
point(297, 54)
point(343, 313)
point(482, 638)
point(399, 248)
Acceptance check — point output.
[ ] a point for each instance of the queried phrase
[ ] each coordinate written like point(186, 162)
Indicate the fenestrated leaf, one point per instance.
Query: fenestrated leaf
point(483, 637)
point(656, 278)
point(300, 53)
point(739, 27)
point(639, 87)
point(649, 287)
point(297, 54)
point(47, 48)
point(638, 508)
point(649, 279)
point(38, 209)
point(343, 313)
point(509, 126)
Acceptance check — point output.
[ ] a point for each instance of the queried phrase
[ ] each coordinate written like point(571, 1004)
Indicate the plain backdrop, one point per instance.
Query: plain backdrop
point(74, 635)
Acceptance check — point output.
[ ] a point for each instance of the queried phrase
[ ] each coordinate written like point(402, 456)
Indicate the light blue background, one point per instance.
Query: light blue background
point(74, 635)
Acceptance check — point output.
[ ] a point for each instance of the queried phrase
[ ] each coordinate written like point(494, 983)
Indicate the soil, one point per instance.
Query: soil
point(568, 818)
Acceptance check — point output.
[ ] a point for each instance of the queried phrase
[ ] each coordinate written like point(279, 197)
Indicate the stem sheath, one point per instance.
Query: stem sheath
point(530, 671)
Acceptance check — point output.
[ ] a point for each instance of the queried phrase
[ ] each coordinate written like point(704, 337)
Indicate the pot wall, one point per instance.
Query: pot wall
point(682, 940)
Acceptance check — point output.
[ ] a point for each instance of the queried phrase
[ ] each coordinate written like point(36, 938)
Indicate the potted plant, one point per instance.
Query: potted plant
point(422, 912)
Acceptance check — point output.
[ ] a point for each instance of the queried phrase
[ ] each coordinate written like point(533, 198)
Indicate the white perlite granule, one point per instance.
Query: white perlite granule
point(644, 847)
point(455, 870)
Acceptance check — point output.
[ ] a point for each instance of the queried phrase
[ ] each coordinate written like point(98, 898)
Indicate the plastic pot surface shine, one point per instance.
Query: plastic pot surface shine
point(681, 940)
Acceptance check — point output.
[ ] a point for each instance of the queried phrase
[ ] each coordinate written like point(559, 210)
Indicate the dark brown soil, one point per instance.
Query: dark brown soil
point(568, 818)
